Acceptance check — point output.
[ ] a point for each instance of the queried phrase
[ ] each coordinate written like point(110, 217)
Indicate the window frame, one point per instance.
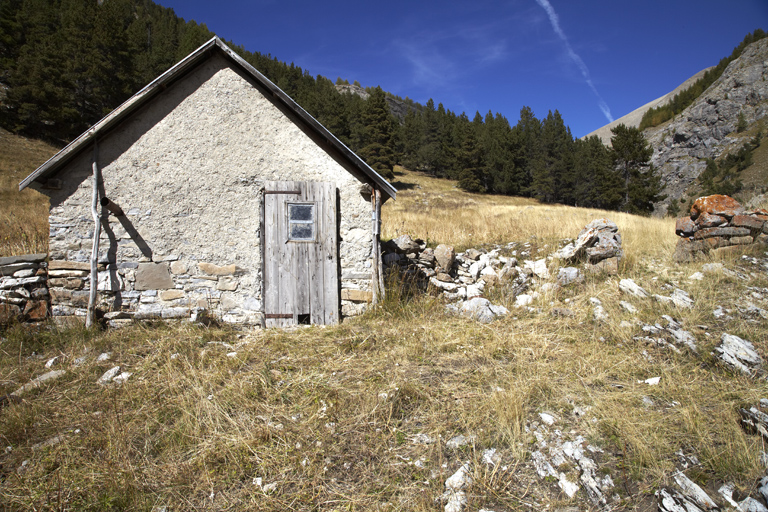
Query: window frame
point(290, 222)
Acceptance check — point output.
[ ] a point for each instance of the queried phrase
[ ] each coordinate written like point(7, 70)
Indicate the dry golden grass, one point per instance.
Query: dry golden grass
point(439, 212)
point(331, 416)
point(23, 215)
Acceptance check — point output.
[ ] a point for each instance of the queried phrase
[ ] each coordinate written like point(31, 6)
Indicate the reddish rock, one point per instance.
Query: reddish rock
point(710, 220)
point(747, 221)
point(725, 206)
point(36, 310)
point(726, 231)
point(716, 242)
point(684, 226)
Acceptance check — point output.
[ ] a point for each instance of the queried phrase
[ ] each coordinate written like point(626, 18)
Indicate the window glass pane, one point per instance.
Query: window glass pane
point(300, 212)
point(301, 231)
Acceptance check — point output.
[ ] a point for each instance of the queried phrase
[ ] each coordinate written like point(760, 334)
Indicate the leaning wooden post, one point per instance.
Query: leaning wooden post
point(375, 251)
point(377, 247)
point(96, 235)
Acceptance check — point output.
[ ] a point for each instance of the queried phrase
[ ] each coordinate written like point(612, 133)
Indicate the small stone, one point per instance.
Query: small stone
point(523, 300)
point(547, 418)
point(738, 353)
point(538, 267)
point(461, 479)
point(120, 379)
point(630, 287)
point(422, 438)
point(153, 276)
point(598, 312)
point(628, 307)
point(684, 226)
point(178, 268)
point(709, 220)
point(107, 377)
point(490, 457)
point(472, 254)
point(459, 441)
point(568, 275)
point(171, 294)
point(38, 381)
point(445, 256)
point(681, 299)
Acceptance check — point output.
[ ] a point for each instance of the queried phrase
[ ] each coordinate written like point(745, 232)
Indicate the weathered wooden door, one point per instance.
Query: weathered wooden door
point(301, 281)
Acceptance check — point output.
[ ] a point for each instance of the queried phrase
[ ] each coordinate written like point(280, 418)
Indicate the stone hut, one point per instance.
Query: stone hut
point(211, 191)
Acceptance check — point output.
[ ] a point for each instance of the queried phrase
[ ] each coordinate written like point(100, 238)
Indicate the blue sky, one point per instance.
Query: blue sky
point(593, 60)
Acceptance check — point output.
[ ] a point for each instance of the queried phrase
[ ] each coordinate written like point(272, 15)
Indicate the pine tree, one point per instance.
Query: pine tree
point(631, 155)
point(378, 134)
point(468, 155)
point(498, 163)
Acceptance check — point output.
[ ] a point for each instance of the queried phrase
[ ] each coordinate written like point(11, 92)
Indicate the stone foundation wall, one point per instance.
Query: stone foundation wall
point(718, 222)
point(23, 289)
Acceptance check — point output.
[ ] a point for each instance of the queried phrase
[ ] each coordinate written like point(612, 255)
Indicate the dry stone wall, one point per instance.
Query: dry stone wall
point(23, 290)
point(188, 172)
point(717, 222)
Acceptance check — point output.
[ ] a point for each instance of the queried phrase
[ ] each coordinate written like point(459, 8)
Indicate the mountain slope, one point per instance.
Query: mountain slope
point(709, 127)
point(633, 118)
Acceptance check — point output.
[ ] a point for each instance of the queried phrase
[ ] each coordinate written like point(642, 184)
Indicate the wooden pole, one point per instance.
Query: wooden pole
point(96, 235)
point(377, 237)
point(376, 256)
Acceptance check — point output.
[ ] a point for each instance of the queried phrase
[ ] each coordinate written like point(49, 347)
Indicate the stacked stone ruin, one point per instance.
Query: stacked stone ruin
point(466, 275)
point(717, 223)
point(459, 276)
point(23, 288)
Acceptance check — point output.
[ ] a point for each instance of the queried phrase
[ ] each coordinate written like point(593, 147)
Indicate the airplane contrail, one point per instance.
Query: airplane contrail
point(555, 21)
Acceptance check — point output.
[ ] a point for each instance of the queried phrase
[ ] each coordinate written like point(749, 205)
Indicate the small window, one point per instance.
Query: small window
point(301, 222)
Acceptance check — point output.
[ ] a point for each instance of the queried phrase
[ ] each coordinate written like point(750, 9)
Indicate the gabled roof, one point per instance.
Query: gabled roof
point(60, 159)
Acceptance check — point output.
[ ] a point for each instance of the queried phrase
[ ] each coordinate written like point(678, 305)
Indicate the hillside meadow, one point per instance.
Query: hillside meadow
point(358, 416)
point(23, 215)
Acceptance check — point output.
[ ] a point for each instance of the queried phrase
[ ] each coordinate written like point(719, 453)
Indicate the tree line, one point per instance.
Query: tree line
point(67, 63)
point(534, 158)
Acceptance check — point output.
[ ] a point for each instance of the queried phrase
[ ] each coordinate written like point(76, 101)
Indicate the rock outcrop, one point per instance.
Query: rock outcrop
point(704, 130)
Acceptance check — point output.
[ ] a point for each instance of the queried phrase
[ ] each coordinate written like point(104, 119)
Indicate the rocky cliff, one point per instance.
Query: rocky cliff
point(633, 119)
point(397, 107)
point(707, 129)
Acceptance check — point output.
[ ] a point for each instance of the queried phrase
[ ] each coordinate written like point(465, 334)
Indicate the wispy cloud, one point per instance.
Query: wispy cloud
point(428, 65)
point(441, 56)
point(555, 21)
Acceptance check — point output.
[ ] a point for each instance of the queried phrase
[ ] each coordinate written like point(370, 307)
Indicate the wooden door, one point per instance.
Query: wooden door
point(301, 281)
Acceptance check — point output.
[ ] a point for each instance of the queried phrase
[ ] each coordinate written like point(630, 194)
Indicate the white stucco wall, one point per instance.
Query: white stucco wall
point(187, 169)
